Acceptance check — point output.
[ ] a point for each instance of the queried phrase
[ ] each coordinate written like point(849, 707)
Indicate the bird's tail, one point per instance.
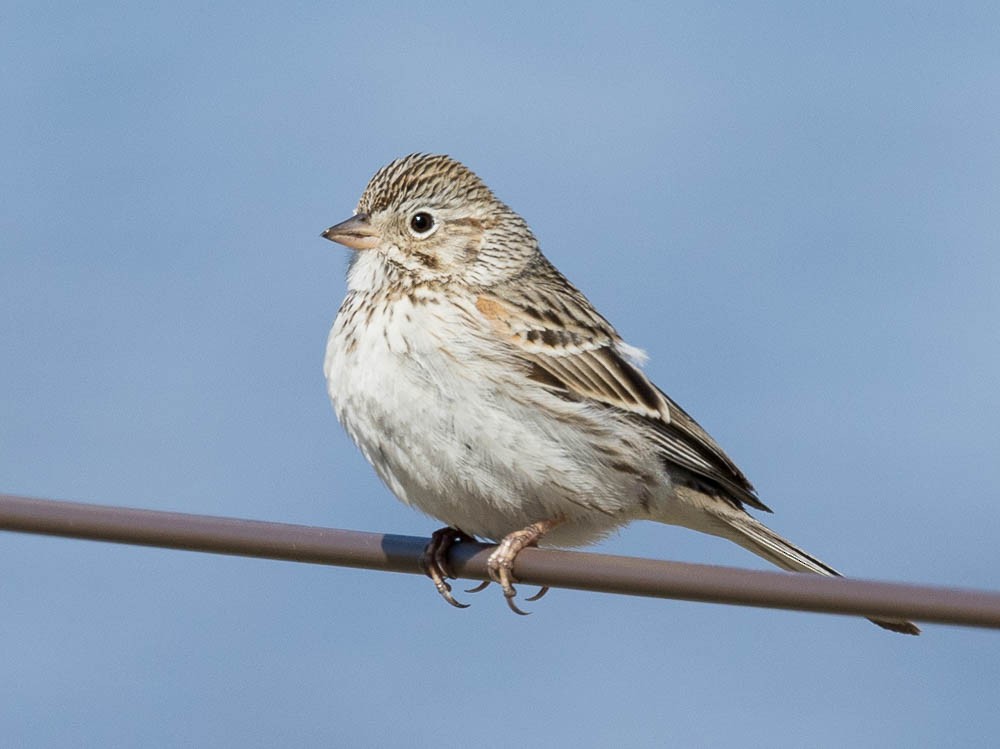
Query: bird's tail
point(765, 543)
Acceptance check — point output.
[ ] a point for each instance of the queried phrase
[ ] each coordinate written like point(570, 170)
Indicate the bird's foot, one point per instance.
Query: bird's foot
point(434, 561)
point(501, 561)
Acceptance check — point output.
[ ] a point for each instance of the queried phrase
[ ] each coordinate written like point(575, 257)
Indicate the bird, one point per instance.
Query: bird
point(487, 391)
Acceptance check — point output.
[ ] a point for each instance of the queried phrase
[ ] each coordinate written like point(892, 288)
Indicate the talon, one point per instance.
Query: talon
point(434, 562)
point(541, 592)
point(501, 562)
point(445, 590)
point(507, 583)
point(482, 586)
point(499, 566)
point(441, 559)
point(513, 607)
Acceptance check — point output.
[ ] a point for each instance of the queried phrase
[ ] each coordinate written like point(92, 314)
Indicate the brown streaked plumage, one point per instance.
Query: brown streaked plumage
point(487, 391)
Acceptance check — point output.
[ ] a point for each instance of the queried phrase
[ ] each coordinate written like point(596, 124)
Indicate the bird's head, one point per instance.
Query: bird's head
point(430, 218)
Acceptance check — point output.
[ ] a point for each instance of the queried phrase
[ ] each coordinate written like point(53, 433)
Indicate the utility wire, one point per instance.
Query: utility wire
point(564, 569)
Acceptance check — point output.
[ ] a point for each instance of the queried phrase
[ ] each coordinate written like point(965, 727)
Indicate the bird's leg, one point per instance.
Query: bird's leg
point(501, 561)
point(434, 561)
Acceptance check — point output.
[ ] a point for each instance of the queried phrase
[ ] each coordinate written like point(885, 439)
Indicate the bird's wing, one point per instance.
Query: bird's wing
point(585, 358)
point(576, 352)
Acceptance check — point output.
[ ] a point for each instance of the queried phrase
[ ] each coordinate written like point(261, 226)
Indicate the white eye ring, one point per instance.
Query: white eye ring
point(422, 224)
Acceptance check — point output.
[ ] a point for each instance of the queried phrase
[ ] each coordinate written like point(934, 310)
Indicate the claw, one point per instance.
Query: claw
point(541, 592)
point(441, 558)
point(500, 571)
point(501, 561)
point(513, 606)
point(445, 590)
point(434, 562)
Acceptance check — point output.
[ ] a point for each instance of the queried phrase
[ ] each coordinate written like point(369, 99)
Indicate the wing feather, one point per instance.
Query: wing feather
point(571, 348)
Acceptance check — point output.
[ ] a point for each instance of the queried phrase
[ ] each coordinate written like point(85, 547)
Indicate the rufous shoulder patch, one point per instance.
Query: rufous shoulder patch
point(491, 308)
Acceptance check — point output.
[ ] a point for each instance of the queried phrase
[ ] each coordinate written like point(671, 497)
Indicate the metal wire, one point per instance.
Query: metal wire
point(564, 569)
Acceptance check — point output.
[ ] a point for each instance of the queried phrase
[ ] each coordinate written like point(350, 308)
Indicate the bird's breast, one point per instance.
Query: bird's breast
point(458, 430)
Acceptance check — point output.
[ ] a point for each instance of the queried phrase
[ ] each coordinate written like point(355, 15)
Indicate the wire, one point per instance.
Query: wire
point(565, 569)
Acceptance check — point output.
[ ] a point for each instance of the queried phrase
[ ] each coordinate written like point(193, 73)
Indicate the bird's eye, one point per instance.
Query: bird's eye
point(422, 222)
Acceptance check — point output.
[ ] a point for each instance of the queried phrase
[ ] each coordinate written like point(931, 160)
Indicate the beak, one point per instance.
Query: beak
point(356, 233)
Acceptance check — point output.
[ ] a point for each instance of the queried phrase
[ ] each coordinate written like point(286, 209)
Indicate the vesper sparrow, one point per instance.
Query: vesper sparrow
point(489, 393)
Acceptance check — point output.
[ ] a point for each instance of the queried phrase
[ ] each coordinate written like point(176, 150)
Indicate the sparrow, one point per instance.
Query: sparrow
point(489, 393)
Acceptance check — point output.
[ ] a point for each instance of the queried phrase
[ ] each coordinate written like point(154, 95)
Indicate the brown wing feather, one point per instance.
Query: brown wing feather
point(581, 355)
point(576, 350)
point(684, 429)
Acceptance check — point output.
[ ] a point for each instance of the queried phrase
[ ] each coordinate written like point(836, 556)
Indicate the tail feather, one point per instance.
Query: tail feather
point(765, 543)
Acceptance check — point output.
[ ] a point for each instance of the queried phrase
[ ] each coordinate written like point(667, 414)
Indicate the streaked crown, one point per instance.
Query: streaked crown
point(421, 176)
point(428, 218)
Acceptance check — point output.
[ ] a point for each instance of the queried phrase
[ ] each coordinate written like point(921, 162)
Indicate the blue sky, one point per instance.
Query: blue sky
point(792, 208)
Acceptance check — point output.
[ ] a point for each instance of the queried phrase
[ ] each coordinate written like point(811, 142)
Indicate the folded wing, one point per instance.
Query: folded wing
point(576, 352)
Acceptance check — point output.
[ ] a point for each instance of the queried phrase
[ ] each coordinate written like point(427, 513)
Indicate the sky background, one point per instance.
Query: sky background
point(792, 208)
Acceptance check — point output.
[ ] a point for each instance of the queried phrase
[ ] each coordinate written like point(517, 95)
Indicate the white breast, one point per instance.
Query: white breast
point(456, 430)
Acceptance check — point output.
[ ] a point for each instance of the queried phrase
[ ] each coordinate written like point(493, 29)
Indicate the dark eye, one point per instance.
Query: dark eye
point(422, 222)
